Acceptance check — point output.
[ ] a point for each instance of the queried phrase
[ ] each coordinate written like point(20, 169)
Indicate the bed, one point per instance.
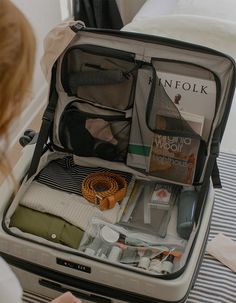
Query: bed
point(211, 23)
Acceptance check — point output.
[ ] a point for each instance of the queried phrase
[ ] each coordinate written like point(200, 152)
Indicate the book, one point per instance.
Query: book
point(193, 95)
point(140, 135)
point(173, 159)
point(195, 121)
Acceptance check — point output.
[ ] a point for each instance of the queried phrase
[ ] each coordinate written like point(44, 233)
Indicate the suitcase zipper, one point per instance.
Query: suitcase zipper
point(71, 107)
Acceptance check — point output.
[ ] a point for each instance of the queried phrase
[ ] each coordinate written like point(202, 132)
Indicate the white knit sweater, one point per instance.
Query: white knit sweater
point(71, 207)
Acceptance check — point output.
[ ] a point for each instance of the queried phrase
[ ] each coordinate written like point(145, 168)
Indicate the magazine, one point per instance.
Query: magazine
point(192, 95)
point(173, 159)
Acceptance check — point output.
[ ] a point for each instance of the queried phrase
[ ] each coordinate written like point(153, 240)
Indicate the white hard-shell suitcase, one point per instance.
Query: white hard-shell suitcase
point(47, 268)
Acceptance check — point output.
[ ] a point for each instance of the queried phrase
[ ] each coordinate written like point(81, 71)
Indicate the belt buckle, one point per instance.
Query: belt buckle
point(97, 200)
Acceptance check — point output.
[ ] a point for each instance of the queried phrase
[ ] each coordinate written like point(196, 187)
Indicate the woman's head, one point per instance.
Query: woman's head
point(17, 52)
point(17, 49)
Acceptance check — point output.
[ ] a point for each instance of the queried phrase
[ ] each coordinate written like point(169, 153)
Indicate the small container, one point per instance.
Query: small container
point(167, 265)
point(115, 254)
point(156, 264)
point(93, 247)
point(145, 260)
point(103, 251)
point(109, 235)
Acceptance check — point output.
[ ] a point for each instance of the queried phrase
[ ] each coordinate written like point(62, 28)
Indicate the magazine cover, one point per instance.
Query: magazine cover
point(192, 95)
point(174, 158)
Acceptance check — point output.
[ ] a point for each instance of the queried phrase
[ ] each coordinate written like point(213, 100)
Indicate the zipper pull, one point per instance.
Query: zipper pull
point(77, 27)
point(130, 72)
point(128, 113)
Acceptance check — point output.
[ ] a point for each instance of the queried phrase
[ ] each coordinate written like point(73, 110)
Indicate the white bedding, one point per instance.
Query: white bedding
point(207, 31)
point(155, 8)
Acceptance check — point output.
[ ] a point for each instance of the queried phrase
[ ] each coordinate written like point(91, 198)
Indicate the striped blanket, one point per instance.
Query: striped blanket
point(215, 282)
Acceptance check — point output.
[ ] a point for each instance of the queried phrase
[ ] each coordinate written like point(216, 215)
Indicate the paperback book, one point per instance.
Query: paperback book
point(174, 158)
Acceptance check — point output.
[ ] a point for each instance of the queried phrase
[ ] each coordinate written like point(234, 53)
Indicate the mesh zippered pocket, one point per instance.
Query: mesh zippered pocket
point(91, 131)
point(166, 142)
point(101, 75)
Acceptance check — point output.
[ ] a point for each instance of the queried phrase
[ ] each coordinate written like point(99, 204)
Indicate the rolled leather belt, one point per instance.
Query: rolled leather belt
point(104, 189)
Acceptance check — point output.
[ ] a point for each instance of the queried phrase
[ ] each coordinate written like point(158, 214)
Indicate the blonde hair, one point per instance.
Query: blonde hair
point(17, 54)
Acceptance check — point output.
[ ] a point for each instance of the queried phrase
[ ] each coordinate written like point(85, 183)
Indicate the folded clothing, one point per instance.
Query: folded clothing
point(65, 174)
point(71, 207)
point(46, 226)
point(223, 249)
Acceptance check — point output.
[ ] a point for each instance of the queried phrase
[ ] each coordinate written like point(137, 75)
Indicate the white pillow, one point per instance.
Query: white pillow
point(220, 9)
point(155, 8)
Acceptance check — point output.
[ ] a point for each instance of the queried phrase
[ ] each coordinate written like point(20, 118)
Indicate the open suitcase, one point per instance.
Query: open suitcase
point(109, 104)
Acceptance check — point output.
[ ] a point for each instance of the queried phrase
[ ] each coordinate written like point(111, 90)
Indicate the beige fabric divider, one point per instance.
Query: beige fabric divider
point(55, 43)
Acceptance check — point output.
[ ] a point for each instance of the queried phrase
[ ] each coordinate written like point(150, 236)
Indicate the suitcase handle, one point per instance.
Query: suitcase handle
point(58, 287)
point(29, 137)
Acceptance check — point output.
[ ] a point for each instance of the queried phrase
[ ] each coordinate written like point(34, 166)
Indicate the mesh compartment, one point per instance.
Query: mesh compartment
point(175, 146)
point(163, 117)
point(100, 75)
point(89, 131)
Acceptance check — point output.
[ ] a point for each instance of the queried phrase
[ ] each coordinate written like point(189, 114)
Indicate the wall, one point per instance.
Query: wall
point(43, 15)
point(128, 9)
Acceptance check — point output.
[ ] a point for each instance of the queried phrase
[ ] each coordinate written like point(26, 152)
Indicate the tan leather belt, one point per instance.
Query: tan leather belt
point(104, 189)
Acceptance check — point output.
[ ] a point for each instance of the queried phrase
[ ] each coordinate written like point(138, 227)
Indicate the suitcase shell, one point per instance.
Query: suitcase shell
point(47, 271)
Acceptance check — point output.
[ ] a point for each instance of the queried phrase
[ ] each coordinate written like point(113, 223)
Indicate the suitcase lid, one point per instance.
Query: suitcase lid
point(144, 48)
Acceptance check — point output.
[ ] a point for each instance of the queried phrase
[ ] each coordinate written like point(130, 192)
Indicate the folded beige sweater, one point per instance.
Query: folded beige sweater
point(71, 207)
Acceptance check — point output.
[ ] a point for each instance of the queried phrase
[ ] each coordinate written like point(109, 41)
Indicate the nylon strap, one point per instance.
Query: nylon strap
point(215, 176)
point(47, 120)
point(205, 185)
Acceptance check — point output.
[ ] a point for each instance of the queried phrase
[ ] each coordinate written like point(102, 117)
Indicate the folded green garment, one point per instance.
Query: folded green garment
point(46, 226)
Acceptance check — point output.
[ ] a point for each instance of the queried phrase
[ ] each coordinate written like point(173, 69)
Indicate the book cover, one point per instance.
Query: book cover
point(192, 95)
point(174, 158)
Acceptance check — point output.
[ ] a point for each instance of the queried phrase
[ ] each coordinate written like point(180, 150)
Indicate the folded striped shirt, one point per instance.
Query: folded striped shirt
point(64, 174)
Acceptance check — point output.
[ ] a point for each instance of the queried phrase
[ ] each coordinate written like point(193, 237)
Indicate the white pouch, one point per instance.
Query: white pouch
point(224, 250)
